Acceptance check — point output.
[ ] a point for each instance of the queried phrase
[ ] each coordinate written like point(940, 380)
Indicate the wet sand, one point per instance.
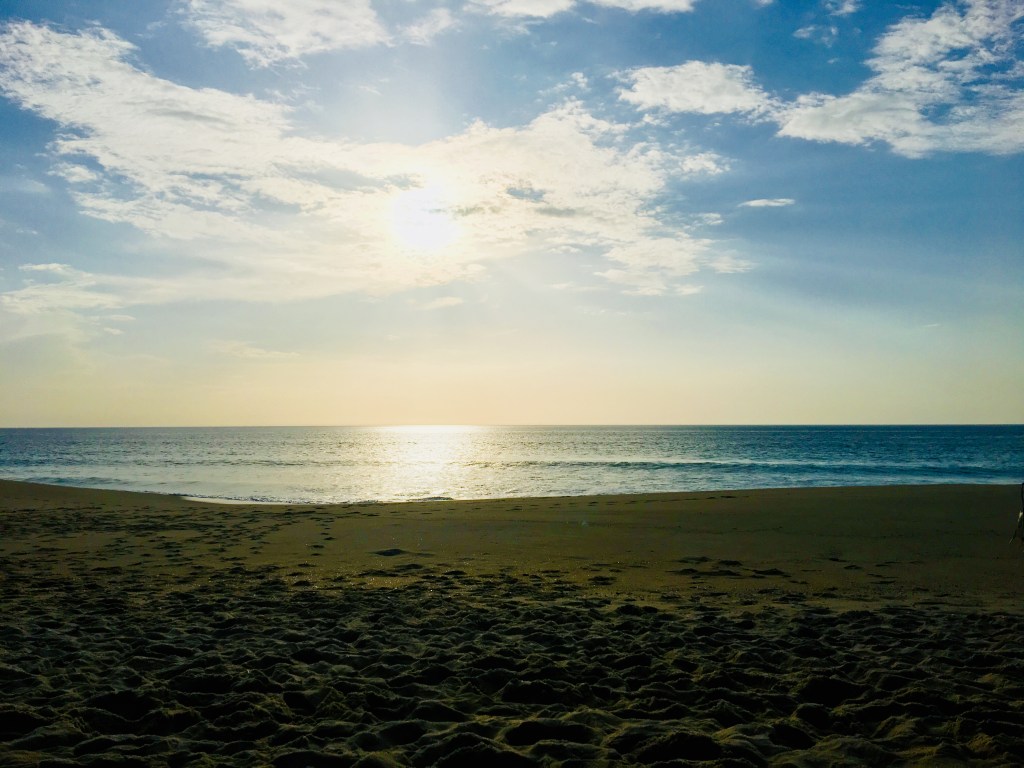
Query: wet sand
point(860, 626)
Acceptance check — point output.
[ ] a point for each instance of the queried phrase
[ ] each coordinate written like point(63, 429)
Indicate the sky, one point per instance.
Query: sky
point(235, 212)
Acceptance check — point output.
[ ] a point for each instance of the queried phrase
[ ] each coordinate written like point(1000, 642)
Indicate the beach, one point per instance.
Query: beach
point(819, 626)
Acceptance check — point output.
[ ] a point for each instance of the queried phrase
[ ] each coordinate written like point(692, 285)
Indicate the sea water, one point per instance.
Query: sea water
point(349, 464)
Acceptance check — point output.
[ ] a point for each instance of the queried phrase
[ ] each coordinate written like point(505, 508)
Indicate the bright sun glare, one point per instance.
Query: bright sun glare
point(420, 220)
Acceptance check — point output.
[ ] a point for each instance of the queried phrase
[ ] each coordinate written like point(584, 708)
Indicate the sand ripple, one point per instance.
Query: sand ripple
point(499, 670)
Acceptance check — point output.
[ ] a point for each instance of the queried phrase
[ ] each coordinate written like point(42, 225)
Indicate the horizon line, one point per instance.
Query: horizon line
point(538, 425)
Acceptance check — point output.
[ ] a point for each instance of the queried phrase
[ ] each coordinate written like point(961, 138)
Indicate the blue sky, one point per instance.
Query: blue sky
point(511, 211)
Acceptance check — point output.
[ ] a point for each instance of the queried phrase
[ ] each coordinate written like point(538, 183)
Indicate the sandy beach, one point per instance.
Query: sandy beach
point(856, 626)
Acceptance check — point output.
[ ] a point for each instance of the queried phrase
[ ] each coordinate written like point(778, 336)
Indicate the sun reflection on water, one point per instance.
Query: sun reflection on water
point(429, 461)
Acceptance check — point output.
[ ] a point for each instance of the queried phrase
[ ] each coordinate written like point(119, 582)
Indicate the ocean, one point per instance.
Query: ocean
point(357, 464)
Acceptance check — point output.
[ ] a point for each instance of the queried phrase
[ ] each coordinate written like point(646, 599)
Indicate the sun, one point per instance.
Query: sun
point(421, 220)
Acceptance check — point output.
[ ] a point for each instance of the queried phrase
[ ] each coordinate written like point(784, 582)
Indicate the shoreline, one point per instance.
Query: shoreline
point(240, 501)
point(859, 626)
point(862, 543)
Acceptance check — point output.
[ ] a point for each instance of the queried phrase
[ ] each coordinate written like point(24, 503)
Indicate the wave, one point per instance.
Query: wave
point(303, 466)
point(741, 464)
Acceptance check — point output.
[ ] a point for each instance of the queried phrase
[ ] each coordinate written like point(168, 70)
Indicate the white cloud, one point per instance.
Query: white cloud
point(698, 87)
point(662, 6)
point(771, 202)
point(948, 82)
point(854, 119)
point(707, 219)
point(278, 216)
point(74, 173)
point(430, 26)
point(539, 9)
point(704, 164)
point(269, 31)
point(542, 9)
point(940, 84)
point(193, 144)
point(842, 7)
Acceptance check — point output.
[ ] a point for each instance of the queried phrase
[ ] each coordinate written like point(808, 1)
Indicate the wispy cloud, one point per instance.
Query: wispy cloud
point(770, 202)
point(57, 299)
point(704, 164)
point(538, 9)
point(842, 7)
point(443, 302)
point(269, 31)
point(6, 226)
point(50, 287)
point(542, 9)
point(430, 26)
point(729, 264)
point(825, 34)
point(663, 6)
point(22, 186)
point(654, 267)
point(246, 351)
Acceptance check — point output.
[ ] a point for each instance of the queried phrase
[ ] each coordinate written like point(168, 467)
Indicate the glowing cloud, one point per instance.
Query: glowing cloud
point(421, 221)
point(279, 216)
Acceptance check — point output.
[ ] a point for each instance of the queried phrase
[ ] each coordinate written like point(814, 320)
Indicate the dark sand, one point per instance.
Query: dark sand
point(856, 626)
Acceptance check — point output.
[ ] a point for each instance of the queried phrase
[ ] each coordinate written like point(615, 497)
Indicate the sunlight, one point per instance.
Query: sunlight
point(431, 428)
point(420, 220)
point(426, 461)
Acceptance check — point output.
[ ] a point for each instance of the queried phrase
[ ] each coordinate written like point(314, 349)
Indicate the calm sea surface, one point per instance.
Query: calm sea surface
point(338, 464)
